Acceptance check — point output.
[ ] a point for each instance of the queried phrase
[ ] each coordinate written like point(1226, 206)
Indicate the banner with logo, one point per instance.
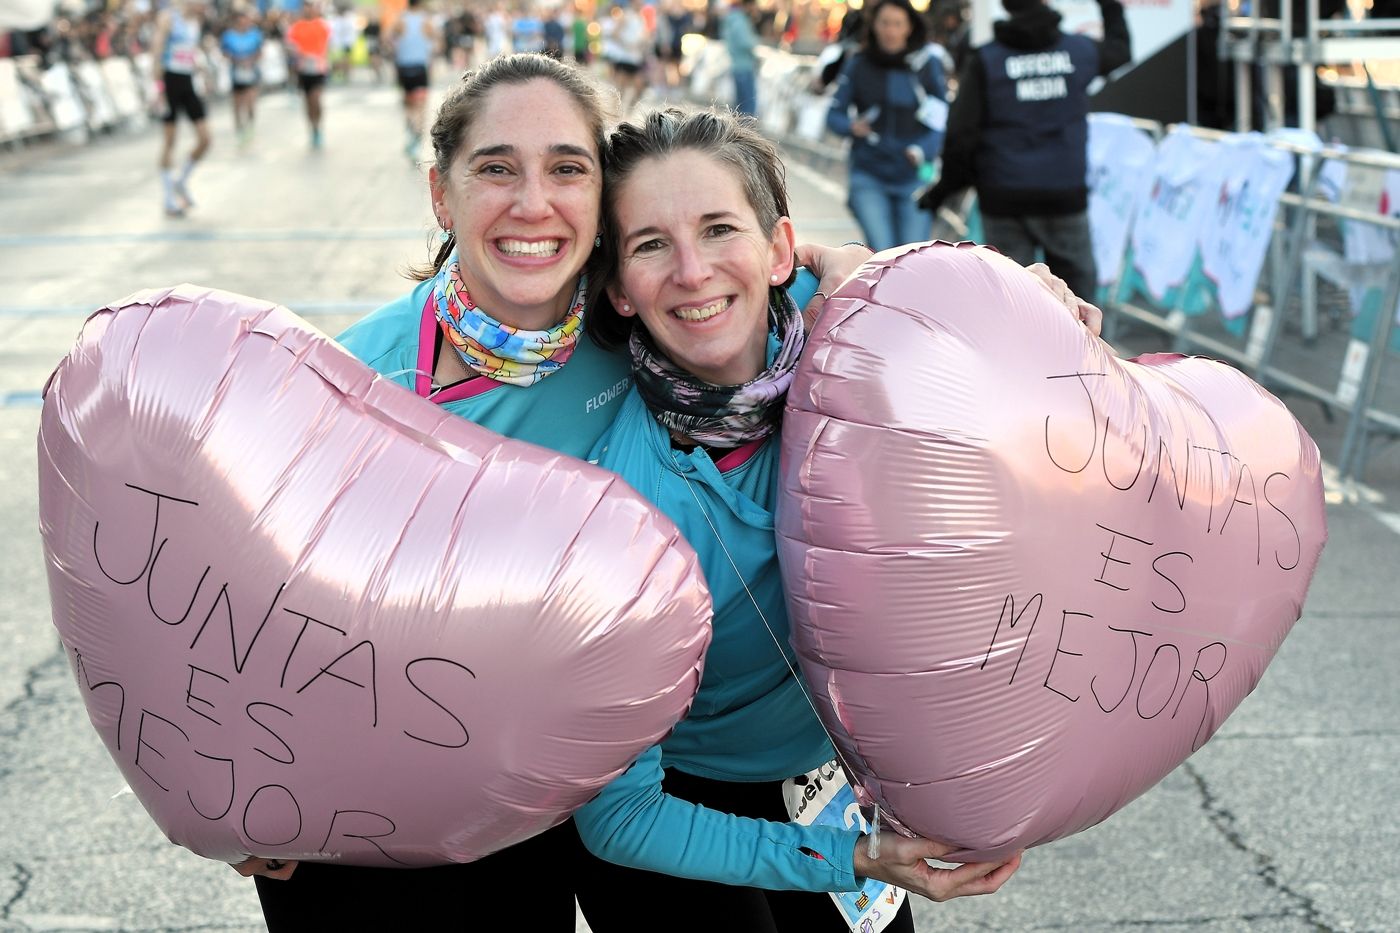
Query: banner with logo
point(1184, 187)
point(1121, 157)
point(1252, 177)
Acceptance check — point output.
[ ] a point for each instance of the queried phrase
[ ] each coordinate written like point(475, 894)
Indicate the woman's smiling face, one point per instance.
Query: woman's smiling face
point(523, 197)
point(696, 265)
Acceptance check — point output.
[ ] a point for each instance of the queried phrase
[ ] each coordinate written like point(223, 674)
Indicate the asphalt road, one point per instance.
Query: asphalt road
point(1285, 821)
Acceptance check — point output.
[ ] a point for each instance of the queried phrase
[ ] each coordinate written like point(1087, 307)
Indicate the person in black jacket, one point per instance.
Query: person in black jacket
point(1018, 132)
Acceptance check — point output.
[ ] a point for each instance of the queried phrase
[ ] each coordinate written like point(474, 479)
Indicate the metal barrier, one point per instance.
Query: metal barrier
point(1357, 190)
point(88, 97)
point(1331, 186)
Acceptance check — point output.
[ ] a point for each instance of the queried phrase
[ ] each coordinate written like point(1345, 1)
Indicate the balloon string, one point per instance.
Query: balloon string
point(874, 841)
point(432, 383)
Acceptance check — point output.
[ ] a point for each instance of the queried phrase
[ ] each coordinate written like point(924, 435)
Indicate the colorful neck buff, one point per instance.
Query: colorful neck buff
point(499, 351)
point(721, 416)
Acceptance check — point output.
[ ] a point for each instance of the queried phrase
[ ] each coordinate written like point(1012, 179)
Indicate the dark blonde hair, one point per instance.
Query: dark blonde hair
point(465, 100)
point(726, 137)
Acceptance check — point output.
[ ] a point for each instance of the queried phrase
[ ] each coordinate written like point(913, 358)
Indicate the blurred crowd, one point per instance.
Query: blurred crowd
point(621, 35)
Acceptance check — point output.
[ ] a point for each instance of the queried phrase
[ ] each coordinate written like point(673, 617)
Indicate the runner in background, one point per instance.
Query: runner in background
point(460, 34)
point(674, 23)
point(345, 29)
point(310, 39)
point(242, 42)
point(413, 38)
point(176, 45)
point(631, 42)
point(582, 41)
point(497, 30)
point(373, 49)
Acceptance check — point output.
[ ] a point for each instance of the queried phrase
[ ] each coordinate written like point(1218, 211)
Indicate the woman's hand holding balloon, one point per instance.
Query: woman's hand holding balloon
point(902, 862)
point(281, 869)
point(1087, 314)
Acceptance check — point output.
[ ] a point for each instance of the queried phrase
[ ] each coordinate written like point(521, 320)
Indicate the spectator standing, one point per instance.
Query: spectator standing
point(891, 100)
point(242, 43)
point(740, 39)
point(310, 41)
point(176, 46)
point(1019, 131)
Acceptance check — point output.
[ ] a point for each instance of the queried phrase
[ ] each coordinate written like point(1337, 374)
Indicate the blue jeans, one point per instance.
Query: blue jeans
point(746, 92)
point(886, 211)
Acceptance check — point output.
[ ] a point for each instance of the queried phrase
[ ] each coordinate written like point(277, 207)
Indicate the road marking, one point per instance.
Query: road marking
point(66, 922)
point(817, 180)
point(23, 399)
point(1390, 520)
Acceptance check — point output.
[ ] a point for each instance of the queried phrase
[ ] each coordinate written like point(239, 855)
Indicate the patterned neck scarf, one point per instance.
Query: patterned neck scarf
point(721, 416)
point(500, 351)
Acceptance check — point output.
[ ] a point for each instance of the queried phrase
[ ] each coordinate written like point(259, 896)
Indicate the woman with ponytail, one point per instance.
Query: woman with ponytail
point(700, 248)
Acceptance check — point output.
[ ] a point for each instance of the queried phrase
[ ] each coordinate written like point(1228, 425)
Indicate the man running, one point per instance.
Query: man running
point(310, 40)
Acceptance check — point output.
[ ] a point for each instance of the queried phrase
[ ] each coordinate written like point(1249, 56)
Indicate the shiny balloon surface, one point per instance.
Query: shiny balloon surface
point(1027, 579)
point(314, 616)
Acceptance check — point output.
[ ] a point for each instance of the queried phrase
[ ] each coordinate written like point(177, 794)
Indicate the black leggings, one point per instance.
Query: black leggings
point(627, 900)
point(539, 871)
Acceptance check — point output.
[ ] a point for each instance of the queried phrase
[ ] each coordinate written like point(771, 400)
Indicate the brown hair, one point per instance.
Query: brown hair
point(724, 136)
point(465, 100)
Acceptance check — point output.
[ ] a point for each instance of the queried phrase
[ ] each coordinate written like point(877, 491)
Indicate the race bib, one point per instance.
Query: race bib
point(245, 74)
point(933, 113)
point(823, 797)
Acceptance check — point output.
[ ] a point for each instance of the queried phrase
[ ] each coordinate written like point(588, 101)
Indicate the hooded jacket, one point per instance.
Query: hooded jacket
point(1019, 134)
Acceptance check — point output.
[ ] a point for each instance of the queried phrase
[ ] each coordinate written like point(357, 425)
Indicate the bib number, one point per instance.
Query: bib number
point(823, 797)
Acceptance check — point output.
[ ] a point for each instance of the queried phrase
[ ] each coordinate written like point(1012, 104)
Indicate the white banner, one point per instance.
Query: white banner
point(1185, 184)
point(15, 115)
point(1253, 176)
point(62, 95)
point(1121, 157)
point(121, 84)
point(25, 14)
point(101, 111)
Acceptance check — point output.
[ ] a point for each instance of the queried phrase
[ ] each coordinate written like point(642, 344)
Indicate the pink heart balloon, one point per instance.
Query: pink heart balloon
point(313, 616)
point(1027, 579)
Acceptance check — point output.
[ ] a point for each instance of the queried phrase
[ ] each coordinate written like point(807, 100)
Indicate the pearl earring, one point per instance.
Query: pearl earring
point(774, 278)
point(626, 308)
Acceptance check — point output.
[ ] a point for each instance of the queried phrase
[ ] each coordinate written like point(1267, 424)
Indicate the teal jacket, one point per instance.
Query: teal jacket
point(750, 720)
point(567, 411)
